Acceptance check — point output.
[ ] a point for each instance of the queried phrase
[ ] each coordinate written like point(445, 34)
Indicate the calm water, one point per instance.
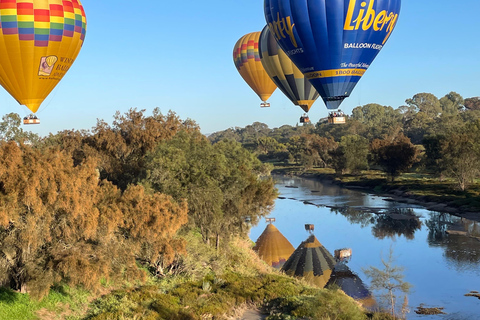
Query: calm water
point(441, 267)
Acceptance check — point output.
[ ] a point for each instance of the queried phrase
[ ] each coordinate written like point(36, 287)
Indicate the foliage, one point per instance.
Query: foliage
point(394, 155)
point(61, 301)
point(60, 222)
point(472, 103)
point(388, 282)
point(10, 130)
point(324, 304)
point(234, 278)
point(354, 150)
point(220, 182)
point(461, 157)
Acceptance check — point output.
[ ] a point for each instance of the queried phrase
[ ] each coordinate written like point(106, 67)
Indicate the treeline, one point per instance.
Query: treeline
point(82, 207)
point(437, 136)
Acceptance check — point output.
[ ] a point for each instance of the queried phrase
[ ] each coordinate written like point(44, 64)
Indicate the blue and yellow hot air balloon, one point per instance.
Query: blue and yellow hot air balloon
point(332, 42)
point(284, 73)
point(39, 41)
point(247, 60)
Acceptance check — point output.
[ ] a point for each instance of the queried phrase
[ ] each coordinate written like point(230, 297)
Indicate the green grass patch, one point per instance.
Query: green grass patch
point(61, 300)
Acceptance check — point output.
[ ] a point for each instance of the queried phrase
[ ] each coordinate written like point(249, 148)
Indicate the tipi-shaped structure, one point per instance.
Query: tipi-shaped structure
point(352, 285)
point(311, 261)
point(272, 247)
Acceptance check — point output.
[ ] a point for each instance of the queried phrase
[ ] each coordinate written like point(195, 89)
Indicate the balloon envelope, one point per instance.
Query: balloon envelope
point(332, 42)
point(310, 261)
point(272, 247)
point(39, 41)
point(284, 73)
point(247, 61)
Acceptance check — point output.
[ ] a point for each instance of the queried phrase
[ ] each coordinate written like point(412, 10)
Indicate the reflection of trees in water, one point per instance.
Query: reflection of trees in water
point(463, 251)
point(397, 222)
point(461, 248)
point(357, 216)
point(390, 223)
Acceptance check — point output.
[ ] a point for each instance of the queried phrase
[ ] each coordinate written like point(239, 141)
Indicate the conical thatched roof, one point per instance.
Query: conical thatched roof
point(352, 285)
point(272, 247)
point(311, 261)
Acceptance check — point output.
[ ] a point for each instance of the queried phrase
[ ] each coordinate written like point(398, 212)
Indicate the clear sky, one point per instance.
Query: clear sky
point(177, 55)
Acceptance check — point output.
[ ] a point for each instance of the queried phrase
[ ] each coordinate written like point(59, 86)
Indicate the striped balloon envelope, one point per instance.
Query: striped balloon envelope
point(247, 60)
point(311, 262)
point(39, 41)
point(284, 73)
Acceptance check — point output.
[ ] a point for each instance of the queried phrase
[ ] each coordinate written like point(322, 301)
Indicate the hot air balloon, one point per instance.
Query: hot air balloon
point(272, 247)
point(285, 74)
point(40, 40)
point(311, 261)
point(247, 61)
point(332, 42)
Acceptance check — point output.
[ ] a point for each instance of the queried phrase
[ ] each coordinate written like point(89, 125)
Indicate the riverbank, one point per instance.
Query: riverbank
point(424, 190)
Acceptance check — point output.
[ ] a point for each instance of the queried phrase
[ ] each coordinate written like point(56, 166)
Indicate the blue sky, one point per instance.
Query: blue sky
point(177, 55)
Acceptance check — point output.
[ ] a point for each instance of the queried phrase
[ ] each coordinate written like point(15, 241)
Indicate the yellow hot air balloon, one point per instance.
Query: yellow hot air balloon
point(40, 40)
point(247, 61)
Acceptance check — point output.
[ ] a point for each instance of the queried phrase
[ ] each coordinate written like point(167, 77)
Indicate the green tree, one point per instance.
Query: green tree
point(296, 148)
point(395, 155)
point(426, 103)
point(461, 157)
point(10, 129)
point(389, 282)
point(451, 104)
point(220, 182)
point(355, 151)
point(379, 120)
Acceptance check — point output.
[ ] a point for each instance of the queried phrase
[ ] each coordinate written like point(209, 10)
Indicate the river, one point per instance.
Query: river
point(440, 253)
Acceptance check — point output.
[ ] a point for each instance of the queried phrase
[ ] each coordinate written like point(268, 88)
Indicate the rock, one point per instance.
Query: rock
point(429, 311)
point(473, 294)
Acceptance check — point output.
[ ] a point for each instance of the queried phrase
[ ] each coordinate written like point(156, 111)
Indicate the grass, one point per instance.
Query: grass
point(214, 285)
point(61, 300)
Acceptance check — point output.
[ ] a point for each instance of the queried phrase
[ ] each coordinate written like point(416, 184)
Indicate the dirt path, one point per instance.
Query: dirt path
point(251, 314)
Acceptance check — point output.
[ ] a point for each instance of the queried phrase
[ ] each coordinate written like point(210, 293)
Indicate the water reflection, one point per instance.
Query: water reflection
point(391, 223)
point(397, 222)
point(459, 237)
point(440, 252)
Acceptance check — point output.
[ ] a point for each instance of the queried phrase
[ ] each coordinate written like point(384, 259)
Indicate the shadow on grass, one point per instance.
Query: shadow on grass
point(8, 296)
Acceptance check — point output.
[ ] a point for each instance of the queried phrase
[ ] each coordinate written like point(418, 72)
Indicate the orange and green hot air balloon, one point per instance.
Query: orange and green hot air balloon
point(40, 40)
point(247, 60)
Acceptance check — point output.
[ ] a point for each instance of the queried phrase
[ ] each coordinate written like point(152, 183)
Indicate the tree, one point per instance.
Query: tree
point(10, 130)
point(451, 104)
point(461, 157)
point(472, 103)
point(59, 222)
point(389, 282)
point(395, 155)
point(295, 148)
point(355, 150)
point(379, 120)
point(123, 146)
point(426, 103)
point(220, 182)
